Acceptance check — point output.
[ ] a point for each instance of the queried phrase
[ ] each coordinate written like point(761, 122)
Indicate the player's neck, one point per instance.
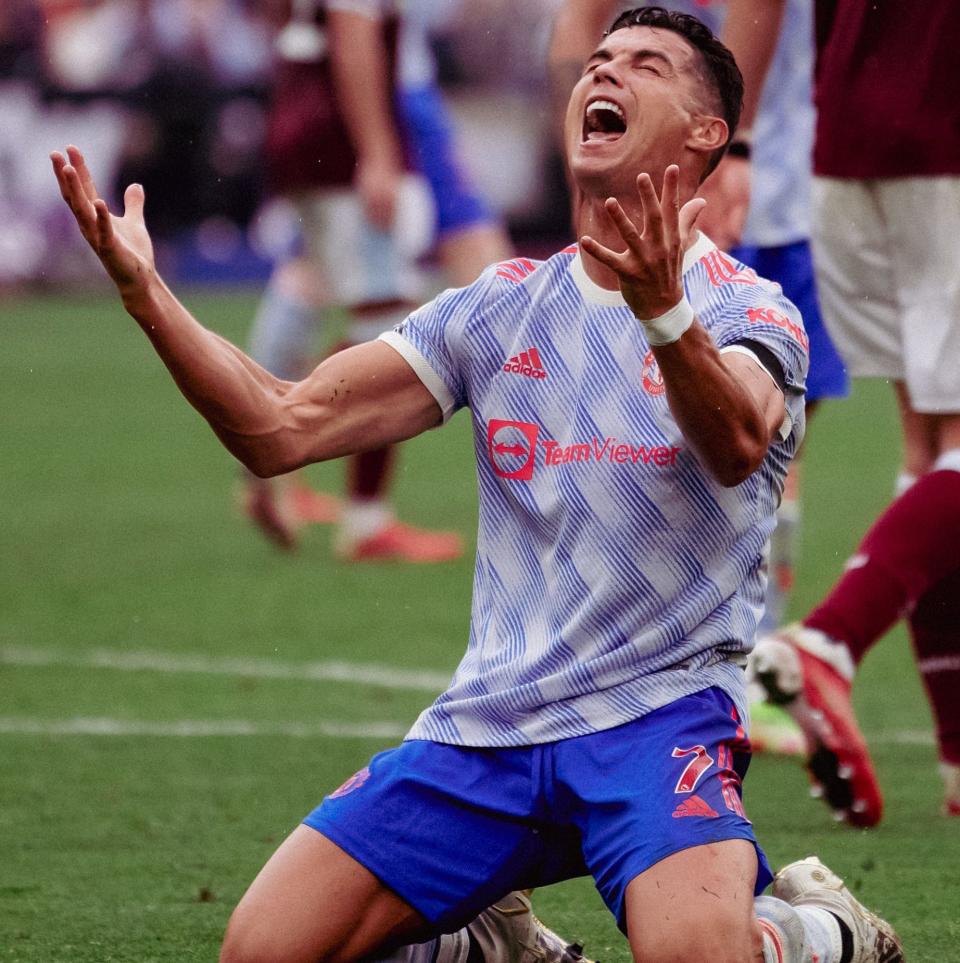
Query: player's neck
point(591, 218)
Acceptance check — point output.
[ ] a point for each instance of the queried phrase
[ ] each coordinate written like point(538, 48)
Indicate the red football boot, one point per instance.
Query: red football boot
point(313, 507)
point(265, 507)
point(397, 542)
point(810, 676)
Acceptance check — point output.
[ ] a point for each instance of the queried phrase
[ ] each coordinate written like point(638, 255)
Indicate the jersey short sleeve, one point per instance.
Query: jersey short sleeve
point(741, 309)
point(431, 340)
point(766, 317)
point(736, 306)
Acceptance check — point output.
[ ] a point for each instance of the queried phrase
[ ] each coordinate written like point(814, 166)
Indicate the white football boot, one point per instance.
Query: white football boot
point(808, 882)
point(509, 932)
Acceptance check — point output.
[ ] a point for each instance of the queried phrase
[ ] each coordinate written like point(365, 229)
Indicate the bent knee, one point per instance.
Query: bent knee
point(257, 937)
point(251, 941)
point(725, 941)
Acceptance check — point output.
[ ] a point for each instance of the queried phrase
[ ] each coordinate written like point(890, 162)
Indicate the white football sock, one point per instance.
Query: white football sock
point(949, 460)
point(282, 334)
point(905, 480)
point(781, 562)
point(784, 939)
point(449, 948)
point(363, 518)
point(371, 324)
point(822, 930)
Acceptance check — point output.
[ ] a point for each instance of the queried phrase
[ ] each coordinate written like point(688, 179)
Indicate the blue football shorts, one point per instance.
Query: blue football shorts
point(452, 829)
point(791, 266)
point(430, 133)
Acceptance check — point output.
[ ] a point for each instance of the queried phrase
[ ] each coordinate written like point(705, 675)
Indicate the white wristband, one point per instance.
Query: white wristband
point(669, 326)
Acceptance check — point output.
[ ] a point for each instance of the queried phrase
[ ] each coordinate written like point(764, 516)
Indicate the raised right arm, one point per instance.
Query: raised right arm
point(358, 399)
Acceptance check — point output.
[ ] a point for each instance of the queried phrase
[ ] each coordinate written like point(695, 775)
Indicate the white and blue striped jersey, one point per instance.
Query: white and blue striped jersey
point(613, 574)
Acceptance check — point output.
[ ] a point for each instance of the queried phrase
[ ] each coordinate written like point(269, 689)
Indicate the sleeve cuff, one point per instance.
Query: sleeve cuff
point(424, 371)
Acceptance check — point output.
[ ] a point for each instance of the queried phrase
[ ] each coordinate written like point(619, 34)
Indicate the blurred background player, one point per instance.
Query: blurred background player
point(362, 231)
point(759, 209)
point(468, 235)
point(898, 571)
point(775, 239)
point(887, 245)
point(887, 209)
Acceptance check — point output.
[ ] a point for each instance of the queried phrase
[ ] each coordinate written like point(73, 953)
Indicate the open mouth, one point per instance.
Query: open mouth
point(603, 121)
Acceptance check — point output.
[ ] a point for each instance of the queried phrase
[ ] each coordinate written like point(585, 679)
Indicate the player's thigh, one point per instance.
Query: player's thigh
point(853, 259)
point(923, 222)
point(450, 829)
point(696, 904)
point(661, 785)
point(311, 902)
point(364, 264)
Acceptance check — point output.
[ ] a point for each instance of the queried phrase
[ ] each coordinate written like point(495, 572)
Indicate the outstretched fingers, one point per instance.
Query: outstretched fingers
point(670, 199)
point(104, 225)
point(72, 192)
point(629, 231)
point(604, 255)
point(653, 226)
point(133, 199)
point(83, 172)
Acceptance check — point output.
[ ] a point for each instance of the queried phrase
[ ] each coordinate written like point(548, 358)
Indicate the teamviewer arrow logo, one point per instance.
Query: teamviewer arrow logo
point(512, 446)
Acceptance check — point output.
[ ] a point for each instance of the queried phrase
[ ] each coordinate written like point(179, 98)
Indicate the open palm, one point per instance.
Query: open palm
point(650, 270)
point(122, 243)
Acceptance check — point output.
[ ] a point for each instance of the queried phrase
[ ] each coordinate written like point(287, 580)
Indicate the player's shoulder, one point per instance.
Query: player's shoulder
point(722, 286)
point(524, 278)
point(476, 302)
point(532, 272)
point(721, 276)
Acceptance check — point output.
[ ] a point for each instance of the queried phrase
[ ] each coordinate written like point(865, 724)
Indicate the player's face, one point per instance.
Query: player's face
point(632, 110)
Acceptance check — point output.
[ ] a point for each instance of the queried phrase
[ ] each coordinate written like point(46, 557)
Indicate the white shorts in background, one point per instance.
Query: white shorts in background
point(887, 256)
point(361, 263)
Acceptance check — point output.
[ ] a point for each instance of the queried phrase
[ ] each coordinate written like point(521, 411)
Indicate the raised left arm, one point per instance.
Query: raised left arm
point(727, 407)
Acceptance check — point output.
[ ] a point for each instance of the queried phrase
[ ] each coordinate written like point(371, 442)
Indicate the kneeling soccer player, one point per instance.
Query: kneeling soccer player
point(593, 725)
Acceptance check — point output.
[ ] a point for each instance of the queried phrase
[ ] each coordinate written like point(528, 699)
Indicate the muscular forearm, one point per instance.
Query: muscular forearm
point(359, 399)
point(240, 400)
point(361, 75)
point(718, 415)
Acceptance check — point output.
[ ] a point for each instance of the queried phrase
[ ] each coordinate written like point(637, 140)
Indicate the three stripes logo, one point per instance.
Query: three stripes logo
point(527, 364)
point(721, 270)
point(694, 806)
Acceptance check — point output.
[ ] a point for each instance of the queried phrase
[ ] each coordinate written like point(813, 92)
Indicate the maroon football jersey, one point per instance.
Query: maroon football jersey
point(308, 142)
point(887, 88)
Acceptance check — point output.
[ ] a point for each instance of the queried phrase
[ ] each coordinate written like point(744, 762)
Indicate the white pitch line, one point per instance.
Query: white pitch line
point(385, 676)
point(187, 728)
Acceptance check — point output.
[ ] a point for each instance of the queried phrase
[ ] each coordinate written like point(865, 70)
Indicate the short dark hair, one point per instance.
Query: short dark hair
point(721, 70)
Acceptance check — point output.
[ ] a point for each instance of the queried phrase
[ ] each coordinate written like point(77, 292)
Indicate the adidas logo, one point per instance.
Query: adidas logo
point(527, 363)
point(694, 806)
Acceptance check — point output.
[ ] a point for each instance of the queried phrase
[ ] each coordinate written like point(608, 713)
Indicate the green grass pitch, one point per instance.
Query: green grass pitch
point(121, 541)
